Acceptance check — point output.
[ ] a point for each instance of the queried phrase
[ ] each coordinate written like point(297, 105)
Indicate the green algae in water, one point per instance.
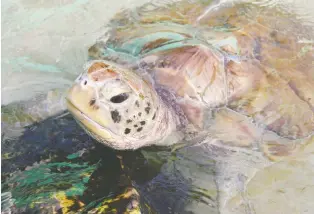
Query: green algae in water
point(42, 183)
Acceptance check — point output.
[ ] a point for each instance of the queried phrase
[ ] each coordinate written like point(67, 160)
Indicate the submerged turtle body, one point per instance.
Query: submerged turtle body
point(242, 61)
point(233, 82)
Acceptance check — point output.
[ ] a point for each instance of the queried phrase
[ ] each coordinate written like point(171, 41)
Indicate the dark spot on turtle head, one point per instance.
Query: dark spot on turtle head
point(139, 129)
point(142, 123)
point(134, 116)
point(135, 125)
point(128, 121)
point(92, 102)
point(137, 104)
point(85, 82)
point(127, 131)
point(147, 110)
point(127, 110)
point(140, 113)
point(116, 117)
point(148, 104)
point(154, 116)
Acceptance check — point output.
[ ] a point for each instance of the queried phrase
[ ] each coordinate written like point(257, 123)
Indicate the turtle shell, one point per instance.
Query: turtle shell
point(253, 60)
point(251, 66)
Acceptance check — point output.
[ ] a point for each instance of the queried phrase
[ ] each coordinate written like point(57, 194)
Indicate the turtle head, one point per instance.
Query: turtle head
point(117, 107)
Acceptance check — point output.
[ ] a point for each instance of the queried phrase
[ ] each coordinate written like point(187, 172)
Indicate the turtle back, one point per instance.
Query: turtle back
point(259, 61)
point(273, 82)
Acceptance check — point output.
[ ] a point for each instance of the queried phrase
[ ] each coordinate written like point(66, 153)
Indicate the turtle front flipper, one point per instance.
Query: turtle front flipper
point(230, 136)
point(271, 100)
point(233, 130)
point(277, 148)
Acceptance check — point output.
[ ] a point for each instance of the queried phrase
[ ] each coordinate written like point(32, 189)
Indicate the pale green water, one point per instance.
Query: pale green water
point(44, 47)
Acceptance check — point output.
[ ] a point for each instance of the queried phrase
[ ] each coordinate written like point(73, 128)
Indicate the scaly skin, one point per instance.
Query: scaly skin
point(236, 73)
point(273, 84)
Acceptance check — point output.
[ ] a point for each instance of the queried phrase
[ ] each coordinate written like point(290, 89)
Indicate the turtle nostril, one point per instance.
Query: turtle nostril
point(85, 82)
point(92, 102)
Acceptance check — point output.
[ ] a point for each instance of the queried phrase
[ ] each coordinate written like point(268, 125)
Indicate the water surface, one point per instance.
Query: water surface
point(50, 165)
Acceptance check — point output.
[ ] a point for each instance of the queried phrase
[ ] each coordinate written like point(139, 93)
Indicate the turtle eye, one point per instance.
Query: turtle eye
point(119, 98)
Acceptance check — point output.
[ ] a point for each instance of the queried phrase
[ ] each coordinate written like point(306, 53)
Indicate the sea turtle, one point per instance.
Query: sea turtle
point(233, 82)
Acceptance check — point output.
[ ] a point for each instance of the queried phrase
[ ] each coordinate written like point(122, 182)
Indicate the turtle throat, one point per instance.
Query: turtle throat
point(170, 121)
point(167, 126)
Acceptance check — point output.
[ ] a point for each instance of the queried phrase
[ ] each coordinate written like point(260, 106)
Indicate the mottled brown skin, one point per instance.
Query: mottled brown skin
point(239, 74)
point(273, 82)
point(100, 71)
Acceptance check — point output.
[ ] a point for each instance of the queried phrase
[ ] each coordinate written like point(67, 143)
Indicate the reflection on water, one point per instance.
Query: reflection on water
point(55, 164)
point(49, 164)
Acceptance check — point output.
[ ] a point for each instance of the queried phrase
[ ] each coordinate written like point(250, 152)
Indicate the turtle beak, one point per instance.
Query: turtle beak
point(83, 96)
point(84, 104)
point(80, 103)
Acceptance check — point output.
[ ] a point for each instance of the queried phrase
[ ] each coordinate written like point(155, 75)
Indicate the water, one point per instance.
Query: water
point(49, 164)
